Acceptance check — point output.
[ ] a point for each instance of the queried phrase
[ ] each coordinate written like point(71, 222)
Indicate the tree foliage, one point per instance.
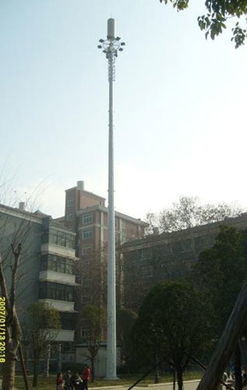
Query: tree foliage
point(189, 212)
point(172, 324)
point(221, 271)
point(43, 323)
point(94, 316)
point(125, 321)
point(218, 12)
point(220, 274)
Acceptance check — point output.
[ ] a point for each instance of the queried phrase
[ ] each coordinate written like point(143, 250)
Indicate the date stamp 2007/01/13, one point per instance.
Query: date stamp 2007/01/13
point(2, 329)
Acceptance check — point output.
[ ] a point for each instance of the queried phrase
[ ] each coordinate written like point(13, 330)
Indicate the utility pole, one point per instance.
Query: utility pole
point(110, 47)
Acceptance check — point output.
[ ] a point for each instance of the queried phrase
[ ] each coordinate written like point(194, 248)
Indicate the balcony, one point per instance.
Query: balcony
point(62, 334)
point(63, 306)
point(57, 250)
point(57, 277)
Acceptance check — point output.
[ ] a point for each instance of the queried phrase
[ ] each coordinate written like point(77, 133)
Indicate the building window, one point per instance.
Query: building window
point(67, 320)
point(70, 241)
point(57, 264)
point(147, 271)
point(59, 238)
point(56, 291)
point(84, 333)
point(68, 347)
point(69, 202)
point(87, 234)
point(87, 219)
point(145, 253)
point(86, 251)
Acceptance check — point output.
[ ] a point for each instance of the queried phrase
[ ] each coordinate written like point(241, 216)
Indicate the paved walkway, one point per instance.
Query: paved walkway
point(188, 385)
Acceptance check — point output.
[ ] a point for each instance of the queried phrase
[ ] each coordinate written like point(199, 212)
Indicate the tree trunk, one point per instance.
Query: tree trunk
point(180, 378)
point(237, 368)
point(35, 372)
point(23, 366)
point(93, 368)
point(156, 371)
point(9, 368)
point(156, 375)
point(226, 344)
point(174, 378)
point(13, 330)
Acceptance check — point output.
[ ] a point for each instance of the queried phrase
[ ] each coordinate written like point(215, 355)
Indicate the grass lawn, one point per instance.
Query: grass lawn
point(49, 383)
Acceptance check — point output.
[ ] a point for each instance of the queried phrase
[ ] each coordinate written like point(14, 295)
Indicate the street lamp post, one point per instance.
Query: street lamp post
point(110, 47)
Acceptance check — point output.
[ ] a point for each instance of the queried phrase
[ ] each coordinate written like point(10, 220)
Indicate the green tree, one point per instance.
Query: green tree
point(221, 271)
point(125, 321)
point(94, 316)
point(219, 274)
point(218, 12)
point(42, 325)
point(172, 325)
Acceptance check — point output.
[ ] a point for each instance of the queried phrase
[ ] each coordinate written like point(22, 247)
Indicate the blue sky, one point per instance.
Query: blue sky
point(179, 115)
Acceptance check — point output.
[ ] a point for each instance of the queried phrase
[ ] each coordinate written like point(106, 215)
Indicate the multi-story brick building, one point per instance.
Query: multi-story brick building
point(155, 258)
point(87, 215)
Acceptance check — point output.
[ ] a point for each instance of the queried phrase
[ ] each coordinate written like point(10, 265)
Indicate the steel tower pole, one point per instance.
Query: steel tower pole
point(111, 357)
point(111, 46)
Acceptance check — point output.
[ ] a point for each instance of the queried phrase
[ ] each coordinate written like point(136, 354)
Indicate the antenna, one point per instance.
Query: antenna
point(111, 47)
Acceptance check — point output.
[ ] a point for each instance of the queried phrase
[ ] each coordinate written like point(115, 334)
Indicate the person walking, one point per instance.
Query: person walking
point(67, 380)
point(86, 374)
point(59, 381)
point(76, 382)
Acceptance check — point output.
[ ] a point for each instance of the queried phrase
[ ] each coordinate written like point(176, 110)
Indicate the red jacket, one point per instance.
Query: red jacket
point(86, 373)
point(60, 380)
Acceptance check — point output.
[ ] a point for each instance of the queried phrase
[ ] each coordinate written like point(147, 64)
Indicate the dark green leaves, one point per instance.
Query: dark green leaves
point(172, 322)
point(239, 35)
point(213, 24)
point(179, 4)
point(218, 12)
point(221, 271)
